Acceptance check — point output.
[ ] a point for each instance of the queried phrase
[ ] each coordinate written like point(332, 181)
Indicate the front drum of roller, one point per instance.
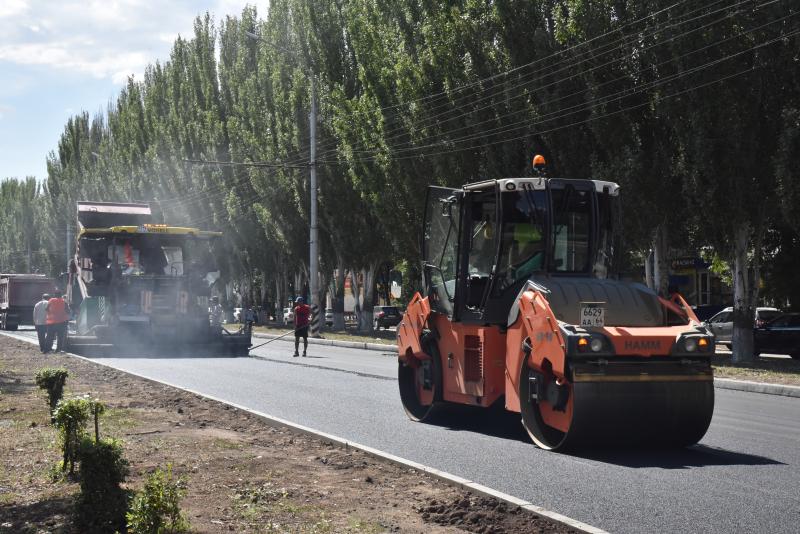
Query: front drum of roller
point(648, 407)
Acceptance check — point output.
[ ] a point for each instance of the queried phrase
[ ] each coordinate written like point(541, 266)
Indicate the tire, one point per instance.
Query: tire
point(408, 378)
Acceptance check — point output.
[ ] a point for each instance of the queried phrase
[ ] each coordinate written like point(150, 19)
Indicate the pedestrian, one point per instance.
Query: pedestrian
point(302, 314)
point(40, 320)
point(215, 313)
point(57, 319)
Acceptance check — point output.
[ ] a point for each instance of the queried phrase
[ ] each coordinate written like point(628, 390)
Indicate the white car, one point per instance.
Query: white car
point(288, 316)
point(328, 317)
point(721, 325)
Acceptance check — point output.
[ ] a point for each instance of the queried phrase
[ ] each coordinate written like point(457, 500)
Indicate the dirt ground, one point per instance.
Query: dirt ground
point(242, 474)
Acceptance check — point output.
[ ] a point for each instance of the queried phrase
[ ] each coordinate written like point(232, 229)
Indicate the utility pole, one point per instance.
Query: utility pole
point(313, 264)
point(69, 239)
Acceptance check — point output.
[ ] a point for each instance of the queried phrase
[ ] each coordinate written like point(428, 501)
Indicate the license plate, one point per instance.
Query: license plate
point(593, 315)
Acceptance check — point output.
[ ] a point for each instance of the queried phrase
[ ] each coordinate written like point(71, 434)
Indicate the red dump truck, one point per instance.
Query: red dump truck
point(18, 294)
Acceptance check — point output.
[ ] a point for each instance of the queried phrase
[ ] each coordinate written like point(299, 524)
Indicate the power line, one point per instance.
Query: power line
point(560, 114)
point(205, 195)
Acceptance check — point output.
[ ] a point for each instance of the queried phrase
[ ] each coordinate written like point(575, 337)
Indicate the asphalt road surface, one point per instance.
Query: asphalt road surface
point(743, 476)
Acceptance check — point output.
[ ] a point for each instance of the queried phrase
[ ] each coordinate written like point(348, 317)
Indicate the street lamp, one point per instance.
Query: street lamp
point(313, 262)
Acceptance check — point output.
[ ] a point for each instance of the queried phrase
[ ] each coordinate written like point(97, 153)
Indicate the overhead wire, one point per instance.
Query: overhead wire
point(244, 202)
point(207, 195)
point(613, 113)
point(432, 116)
point(562, 113)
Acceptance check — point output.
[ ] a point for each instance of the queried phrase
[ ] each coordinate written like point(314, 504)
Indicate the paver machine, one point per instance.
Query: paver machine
point(139, 285)
point(522, 306)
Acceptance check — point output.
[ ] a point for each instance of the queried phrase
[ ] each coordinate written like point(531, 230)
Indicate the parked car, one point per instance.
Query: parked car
point(721, 325)
point(328, 317)
point(288, 316)
point(385, 316)
point(779, 336)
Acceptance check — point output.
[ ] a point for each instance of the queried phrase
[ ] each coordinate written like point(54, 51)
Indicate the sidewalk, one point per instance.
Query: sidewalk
point(720, 383)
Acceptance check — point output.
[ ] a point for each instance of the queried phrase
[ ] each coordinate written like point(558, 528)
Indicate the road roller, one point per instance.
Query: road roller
point(522, 304)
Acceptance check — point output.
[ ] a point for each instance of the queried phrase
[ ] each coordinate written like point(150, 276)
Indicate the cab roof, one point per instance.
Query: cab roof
point(539, 183)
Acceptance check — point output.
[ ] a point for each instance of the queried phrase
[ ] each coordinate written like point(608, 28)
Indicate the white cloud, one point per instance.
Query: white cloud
point(12, 8)
point(107, 39)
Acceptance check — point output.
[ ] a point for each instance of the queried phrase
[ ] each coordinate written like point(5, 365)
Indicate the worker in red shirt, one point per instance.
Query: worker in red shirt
point(302, 316)
point(57, 319)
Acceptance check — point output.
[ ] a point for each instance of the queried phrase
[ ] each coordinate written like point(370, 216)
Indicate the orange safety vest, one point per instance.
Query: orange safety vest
point(57, 311)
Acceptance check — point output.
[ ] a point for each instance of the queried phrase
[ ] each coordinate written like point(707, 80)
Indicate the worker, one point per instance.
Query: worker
point(40, 320)
point(249, 318)
point(57, 319)
point(215, 313)
point(302, 314)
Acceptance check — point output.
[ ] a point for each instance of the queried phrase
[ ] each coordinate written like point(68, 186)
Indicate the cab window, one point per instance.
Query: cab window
point(522, 247)
point(572, 226)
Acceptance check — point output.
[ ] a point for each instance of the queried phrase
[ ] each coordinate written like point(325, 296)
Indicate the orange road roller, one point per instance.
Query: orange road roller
point(523, 305)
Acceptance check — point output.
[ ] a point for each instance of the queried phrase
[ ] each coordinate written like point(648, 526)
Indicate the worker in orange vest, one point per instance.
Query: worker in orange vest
point(57, 319)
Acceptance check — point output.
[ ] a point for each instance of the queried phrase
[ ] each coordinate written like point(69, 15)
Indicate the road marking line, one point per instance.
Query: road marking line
point(444, 476)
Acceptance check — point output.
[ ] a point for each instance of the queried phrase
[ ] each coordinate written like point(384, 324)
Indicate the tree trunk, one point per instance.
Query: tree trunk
point(660, 260)
point(648, 270)
point(744, 298)
point(279, 296)
point(365, 317)
point(338, 295)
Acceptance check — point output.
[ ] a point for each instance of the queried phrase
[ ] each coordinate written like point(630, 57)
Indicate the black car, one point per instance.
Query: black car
point(385, 316)
point(779, 336)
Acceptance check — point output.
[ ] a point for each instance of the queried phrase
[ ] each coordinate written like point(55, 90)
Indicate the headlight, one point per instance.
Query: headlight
point(690, 344)
point(596, 344)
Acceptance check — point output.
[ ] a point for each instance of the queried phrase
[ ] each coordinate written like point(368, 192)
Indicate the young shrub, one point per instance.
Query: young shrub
point(70, 417)
point(156, 510)
point(52, 380)
point(102, 503)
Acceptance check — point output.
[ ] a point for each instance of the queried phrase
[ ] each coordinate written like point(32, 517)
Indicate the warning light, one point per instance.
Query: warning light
point(538, 161)
point(702, 342)
point(583, 343)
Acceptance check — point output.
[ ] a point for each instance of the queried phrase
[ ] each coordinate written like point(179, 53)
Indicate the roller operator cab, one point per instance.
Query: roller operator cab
point(521, 306)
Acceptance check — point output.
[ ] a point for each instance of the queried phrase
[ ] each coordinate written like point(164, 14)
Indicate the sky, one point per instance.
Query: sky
point(61, 57)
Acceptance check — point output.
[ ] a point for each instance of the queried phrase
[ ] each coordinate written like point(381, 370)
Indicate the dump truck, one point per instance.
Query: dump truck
point(522, 307)
point(134, 283)
point(18, 295)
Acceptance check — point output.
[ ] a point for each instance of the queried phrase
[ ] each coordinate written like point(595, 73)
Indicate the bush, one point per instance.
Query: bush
point(102, 503)
point(53, 381)
point(155, 510)
point(70, 417)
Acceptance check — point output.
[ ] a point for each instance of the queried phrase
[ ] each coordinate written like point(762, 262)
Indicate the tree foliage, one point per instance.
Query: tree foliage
point(692, 108)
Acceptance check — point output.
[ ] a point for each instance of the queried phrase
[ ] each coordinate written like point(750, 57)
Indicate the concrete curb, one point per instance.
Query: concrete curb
point(757, 387)
point(444, 476)
point(721, 383)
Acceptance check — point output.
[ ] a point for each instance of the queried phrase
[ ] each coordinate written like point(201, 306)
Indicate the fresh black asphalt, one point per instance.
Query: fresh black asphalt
point(742, 477)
